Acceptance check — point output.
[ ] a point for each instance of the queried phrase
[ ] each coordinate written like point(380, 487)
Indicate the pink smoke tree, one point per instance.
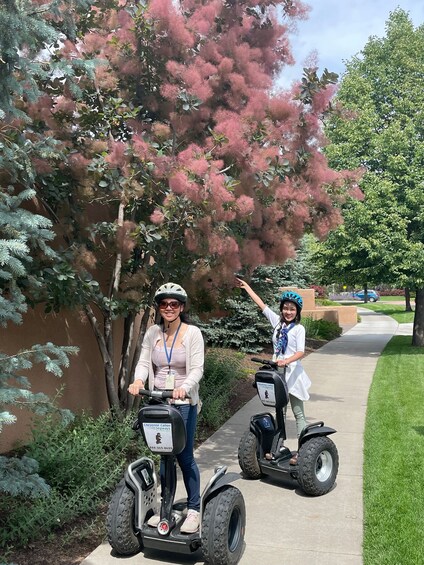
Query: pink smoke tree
point(173, 155)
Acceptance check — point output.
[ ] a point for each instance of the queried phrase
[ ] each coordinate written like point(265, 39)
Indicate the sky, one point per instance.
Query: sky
point(339, 29)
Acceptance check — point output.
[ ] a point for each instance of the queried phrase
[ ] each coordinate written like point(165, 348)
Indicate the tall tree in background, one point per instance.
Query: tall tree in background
point(168, 156)
point(380, 128)
point(367, 248)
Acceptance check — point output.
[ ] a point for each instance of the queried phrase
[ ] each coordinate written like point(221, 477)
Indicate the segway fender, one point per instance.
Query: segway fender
point(220, 479)
point(140, 477)
point(315, 431)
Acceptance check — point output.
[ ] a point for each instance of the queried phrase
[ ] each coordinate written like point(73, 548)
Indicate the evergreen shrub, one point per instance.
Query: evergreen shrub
point(244, 328)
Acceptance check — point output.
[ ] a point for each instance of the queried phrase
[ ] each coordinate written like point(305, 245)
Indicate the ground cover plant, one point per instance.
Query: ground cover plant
point(79, 463)
point(393, 458)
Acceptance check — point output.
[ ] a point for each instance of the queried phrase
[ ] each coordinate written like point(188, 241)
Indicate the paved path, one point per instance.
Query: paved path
point(284, 525)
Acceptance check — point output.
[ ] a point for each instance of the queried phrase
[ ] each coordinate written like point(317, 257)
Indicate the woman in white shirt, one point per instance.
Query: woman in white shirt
point(288, 340)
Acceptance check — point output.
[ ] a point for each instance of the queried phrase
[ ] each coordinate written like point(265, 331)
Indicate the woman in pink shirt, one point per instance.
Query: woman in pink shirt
point(172, 358)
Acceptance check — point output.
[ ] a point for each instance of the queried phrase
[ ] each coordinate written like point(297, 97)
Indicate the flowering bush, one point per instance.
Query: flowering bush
point(320, 291)
point(391, 292)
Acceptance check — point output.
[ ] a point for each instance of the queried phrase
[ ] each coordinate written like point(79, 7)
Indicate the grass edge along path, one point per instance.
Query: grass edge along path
point(396, 311)
point(394, 458)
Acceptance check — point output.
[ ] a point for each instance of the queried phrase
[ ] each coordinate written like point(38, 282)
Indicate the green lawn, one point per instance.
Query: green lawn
point(396, 311)
point(392, 299)
point(394, 458)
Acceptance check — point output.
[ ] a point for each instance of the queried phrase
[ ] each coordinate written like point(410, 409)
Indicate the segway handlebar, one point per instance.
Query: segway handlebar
point(155, 393)
point(268, 362)
point(161, 394)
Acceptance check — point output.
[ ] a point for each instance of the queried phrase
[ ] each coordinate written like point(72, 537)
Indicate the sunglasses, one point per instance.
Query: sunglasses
point(174, 304)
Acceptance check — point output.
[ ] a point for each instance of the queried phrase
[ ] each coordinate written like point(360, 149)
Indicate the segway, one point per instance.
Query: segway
point(262, 450)
point(222, 512)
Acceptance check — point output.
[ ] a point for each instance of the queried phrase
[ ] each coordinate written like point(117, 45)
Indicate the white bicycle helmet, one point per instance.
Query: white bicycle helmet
point(171, 290)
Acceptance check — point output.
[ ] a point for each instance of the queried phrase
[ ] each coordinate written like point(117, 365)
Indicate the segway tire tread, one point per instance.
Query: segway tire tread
point(248, 457)
point(223, 526)
point(120, 521)
point(307, 465)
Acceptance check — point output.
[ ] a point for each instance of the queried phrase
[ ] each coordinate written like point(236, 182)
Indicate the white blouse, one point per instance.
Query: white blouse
point(297, 380)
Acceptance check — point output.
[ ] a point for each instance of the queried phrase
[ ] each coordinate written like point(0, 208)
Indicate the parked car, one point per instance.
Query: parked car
point(373, 295)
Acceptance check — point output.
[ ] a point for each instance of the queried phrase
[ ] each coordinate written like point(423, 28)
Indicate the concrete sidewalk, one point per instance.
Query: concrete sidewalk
point(284, 525)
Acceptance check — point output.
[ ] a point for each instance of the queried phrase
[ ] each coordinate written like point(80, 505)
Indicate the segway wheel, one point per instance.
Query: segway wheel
point(120, 521)
point(223, 526)
point(248, 456)
point(317, 466)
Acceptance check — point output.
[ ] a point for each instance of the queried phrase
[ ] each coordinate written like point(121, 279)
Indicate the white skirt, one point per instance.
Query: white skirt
point(298, 381)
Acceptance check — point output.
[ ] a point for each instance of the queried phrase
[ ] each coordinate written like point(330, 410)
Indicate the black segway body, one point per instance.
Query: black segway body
point(262, 450)
point(136, 499)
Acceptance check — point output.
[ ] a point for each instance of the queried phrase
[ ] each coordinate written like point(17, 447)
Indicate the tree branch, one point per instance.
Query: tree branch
point(107, 360)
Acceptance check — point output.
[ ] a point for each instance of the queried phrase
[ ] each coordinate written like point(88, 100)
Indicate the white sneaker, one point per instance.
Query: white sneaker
point(191, 523)
point(153, 521)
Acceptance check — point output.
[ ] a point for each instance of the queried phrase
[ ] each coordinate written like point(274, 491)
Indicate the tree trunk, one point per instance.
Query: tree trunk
point(127, 401)
point(418, 333)
point(408, 307)
point(112, 394)
point(365, 293)
point(125, 376)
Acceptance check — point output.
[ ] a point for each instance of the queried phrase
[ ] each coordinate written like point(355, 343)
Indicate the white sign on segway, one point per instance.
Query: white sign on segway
point(266, 393)
point(158, 436)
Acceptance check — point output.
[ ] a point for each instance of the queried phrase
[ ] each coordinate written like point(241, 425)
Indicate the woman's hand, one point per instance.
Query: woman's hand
point(135, 387)
point(282, 362)
point(179, 394)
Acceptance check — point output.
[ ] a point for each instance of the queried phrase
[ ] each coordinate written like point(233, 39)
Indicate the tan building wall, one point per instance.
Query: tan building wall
point(83, 381)
point(341, 315)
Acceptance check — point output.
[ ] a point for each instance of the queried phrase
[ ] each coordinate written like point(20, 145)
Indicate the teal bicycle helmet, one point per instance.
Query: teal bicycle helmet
point(291, 296)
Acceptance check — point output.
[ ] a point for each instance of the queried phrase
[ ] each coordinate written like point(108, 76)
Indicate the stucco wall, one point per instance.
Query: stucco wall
point(83, 381)
point(341, 315)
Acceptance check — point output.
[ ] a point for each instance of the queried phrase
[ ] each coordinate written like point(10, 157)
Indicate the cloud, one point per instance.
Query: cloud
point(336, 31)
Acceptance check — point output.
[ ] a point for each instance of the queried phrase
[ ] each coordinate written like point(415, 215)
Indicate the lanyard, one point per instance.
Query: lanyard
point(169, 356)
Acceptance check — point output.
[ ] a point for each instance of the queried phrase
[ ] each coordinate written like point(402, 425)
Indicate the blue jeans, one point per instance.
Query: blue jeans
point(188, 465)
